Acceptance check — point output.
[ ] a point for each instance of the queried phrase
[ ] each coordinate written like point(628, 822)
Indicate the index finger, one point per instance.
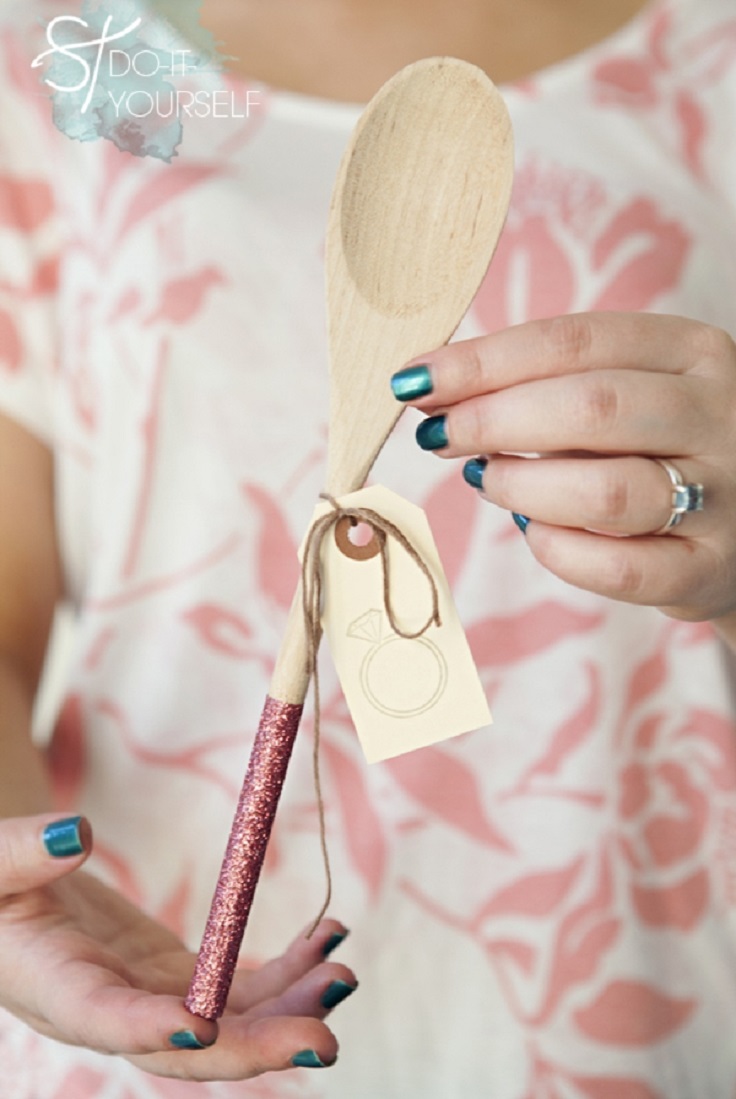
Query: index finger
point(571, 344)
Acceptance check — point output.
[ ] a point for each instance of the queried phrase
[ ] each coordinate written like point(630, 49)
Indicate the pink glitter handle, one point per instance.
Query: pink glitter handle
point(241, 867)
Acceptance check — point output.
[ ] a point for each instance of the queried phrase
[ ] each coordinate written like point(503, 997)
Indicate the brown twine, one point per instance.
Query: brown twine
point(383, 529)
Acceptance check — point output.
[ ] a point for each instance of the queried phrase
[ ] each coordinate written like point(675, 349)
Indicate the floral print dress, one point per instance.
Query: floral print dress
point(544, 909)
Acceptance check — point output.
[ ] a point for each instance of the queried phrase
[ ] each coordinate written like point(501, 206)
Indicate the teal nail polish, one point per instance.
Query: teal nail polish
point(63, 838)
point(333, 942)
point(521, 521)
point(432, 433)
point(335, 993)
point(411, 383)
point(186, 1039)
point(473, 471)
point(307, 1058)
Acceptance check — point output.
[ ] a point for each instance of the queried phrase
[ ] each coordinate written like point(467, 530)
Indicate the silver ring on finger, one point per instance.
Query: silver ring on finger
point(687, 496)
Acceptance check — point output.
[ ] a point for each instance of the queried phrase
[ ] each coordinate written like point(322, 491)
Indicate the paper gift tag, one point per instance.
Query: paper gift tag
point(402, 694)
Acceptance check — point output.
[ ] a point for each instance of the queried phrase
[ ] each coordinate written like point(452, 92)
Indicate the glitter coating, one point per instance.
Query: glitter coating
point(241, 867)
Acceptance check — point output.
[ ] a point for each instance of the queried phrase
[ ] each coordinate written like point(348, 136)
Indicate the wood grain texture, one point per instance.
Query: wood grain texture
point(419, 203)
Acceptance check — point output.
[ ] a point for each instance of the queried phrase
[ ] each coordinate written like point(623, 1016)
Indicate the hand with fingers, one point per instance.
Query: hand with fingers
point(632, 422)
point(82, 965)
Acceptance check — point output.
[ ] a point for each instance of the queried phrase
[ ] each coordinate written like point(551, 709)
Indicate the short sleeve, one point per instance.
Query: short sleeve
point(31, 237)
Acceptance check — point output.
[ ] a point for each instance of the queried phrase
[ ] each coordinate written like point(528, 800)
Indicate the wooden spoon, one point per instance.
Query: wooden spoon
point(419, 202)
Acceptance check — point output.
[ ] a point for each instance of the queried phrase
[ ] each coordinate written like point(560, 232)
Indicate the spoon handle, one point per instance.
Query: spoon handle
point(251, 828)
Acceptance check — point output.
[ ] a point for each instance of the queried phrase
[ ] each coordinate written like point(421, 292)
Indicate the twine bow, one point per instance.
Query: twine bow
point(383, 530)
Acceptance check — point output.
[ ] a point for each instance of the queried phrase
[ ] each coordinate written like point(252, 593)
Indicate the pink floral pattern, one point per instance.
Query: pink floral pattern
point(548, 906)
point(631, 255)
point(664, 77)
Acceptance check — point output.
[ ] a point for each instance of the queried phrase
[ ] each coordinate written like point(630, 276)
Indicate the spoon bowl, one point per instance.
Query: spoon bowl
point(418, 206)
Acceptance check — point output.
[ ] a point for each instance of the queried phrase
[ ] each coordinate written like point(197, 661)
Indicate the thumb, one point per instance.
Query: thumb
point(38, 850)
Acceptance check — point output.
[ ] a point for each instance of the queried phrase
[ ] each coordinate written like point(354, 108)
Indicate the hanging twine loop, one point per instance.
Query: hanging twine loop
point(312, 587)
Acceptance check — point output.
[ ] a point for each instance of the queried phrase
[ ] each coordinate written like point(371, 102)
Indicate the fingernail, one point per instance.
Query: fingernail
point(307, 1058)
point(64, 838)
point(432, 433)
point(333, 942)
point(187, 1039)
point(521, 521)
point(335, 993)
point(473, 471)
point(411, 383)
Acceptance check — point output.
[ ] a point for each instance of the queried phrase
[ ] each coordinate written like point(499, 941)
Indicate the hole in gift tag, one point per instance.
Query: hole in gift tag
point(357, 540)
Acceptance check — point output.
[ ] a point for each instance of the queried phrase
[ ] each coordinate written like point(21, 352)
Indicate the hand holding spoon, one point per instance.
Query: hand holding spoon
point(419, 202)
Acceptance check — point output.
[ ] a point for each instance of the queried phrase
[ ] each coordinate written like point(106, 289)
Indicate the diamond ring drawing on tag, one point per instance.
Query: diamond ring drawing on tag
point(401, 677)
